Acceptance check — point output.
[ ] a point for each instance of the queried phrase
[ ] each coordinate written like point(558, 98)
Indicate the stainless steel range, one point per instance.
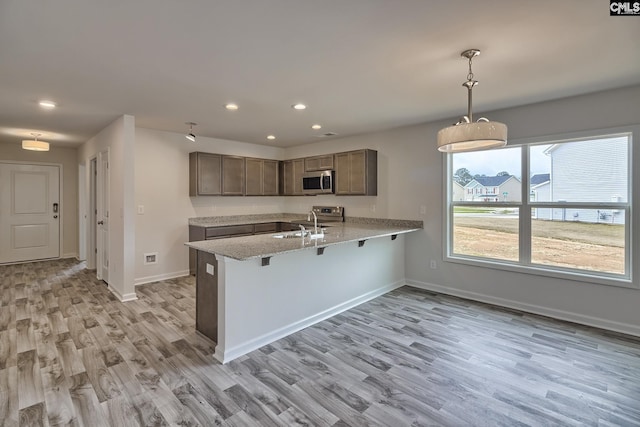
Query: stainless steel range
point(326, 215)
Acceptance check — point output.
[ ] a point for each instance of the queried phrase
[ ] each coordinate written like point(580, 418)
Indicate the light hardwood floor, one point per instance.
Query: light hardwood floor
point(70, 353)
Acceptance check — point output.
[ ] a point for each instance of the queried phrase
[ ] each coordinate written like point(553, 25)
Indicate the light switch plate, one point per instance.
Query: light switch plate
point(210, 269)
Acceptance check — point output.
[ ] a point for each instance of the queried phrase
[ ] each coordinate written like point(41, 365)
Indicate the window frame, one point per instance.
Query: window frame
point(525, 206)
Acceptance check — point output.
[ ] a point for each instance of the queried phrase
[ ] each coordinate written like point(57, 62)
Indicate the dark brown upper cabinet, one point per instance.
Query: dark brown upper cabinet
point(205, 174)
point(357, 173)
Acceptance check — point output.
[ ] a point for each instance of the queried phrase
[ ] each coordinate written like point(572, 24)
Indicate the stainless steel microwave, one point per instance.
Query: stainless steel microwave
point(319, 182)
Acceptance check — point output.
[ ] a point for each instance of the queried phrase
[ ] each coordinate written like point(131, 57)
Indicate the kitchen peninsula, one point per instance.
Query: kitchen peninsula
point(253, 290)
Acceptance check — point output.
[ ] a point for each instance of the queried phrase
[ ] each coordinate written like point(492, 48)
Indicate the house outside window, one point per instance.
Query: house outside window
point(574, 221)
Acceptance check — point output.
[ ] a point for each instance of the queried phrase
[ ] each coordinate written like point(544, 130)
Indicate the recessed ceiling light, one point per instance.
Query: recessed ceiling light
point(231, 106)
point(47, 104)
point(316, 127)
point(271, 137)
point(299, 106)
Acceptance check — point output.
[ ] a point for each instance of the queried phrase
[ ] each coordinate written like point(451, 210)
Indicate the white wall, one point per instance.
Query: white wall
point(162, 188)
point(298, 289)
point(119, 138)
point(410, 174)
point(414, 177)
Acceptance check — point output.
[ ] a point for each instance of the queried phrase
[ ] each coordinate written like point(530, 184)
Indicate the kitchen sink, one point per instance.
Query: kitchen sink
point(292, 235)
point(299, 234)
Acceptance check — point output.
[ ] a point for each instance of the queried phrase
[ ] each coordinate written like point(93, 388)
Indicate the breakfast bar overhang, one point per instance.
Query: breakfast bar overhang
point(244, 303)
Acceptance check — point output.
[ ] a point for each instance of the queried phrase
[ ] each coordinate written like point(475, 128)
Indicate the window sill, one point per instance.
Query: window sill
point(557, 273)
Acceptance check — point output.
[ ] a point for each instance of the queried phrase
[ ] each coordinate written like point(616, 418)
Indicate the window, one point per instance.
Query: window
point(560, 207)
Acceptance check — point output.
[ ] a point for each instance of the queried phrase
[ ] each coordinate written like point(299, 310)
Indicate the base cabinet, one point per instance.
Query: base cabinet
point(198, 233)
point(207, 295)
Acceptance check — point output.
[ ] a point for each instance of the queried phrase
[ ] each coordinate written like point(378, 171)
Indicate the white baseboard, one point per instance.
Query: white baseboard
point(531, 308)
point(70, 255)
point(123, 297)
point(227, 355)
point(159, 277)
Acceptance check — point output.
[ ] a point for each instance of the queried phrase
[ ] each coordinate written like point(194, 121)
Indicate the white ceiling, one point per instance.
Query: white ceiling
point(359, 65)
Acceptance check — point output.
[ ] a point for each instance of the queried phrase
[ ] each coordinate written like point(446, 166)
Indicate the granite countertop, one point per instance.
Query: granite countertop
point(265, 245)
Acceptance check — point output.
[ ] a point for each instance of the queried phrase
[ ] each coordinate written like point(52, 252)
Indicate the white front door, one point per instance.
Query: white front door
point(102, 216)
point(29, 212)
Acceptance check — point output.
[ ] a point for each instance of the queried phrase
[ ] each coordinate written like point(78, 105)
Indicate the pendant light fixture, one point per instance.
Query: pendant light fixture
point(190, 136)
point(467, 135)
point(34, 144)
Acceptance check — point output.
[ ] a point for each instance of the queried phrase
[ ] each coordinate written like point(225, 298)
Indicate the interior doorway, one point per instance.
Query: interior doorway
point(102, 215)
point(98, 216)
point(30, 212)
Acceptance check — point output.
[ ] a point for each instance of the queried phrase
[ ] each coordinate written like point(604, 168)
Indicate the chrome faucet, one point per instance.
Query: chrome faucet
point(303, 231)
point(315, 221)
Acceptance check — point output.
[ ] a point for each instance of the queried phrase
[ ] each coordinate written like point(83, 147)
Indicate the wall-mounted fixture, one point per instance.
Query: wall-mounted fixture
point(34, 144)
point(467, 135)
point(190, 136)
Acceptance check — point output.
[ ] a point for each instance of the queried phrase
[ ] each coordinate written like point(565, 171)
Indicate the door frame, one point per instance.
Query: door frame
point(102, 197)
point(61, 201)
point(91, 215)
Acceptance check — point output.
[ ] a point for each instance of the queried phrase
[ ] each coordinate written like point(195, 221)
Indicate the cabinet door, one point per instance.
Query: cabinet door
point(287, 177)
point(232, 176)
point(298, 171)
point(205, 178)
point(318, 163)
point(292, 172)
point(254, 170)
point(343, 171)
point(270, 178)
point(357, 173)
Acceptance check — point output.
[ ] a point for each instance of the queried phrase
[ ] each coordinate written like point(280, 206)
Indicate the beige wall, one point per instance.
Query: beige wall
point(68, 158)
point(118, 139)
point(162, 189)
point(411, 174)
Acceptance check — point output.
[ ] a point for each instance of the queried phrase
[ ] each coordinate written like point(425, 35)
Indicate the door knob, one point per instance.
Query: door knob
point(100, 222)
point(55, 216)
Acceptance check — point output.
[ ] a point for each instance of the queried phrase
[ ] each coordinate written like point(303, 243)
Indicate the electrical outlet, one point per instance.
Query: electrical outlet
point(373, 208)
point(423, 210)
point(433, 264)
point(151, 258)
point(211, 269)
point(140, 209)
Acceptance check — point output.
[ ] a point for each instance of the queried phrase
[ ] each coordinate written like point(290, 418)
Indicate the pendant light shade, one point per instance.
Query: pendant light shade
point(472, 136)
point(34, 144)
point(467, 135)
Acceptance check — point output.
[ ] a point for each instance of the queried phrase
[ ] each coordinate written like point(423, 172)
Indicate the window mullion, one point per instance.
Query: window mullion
point(525, 210)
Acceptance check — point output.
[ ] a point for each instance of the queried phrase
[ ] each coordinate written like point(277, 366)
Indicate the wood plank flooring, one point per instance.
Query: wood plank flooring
point(71, 354)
